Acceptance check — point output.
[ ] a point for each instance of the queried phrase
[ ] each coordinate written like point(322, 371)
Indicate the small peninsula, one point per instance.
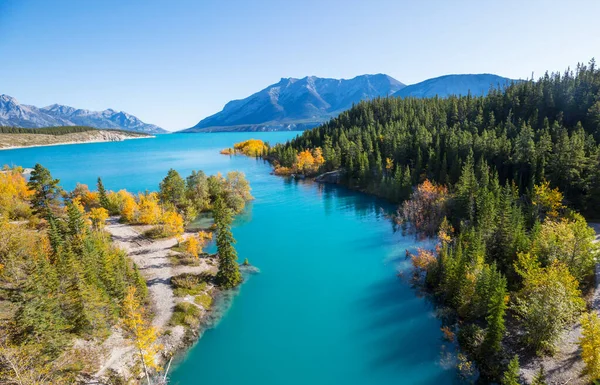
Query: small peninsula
point(11, 137)
point(104, 287)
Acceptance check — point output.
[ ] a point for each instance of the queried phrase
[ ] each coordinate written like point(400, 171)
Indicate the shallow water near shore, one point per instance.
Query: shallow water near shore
point(326, 308)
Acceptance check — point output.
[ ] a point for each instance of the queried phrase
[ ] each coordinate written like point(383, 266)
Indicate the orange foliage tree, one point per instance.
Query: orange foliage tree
point(426, 208)
point(14, 195)
point(423, 260)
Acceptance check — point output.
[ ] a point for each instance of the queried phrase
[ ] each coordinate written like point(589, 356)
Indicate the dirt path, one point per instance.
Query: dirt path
point(154, 263)
point(152, 259)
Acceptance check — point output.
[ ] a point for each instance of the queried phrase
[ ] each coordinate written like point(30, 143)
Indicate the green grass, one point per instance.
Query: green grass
point(155, 233)
point(182, 292)
point(186, 314)
point(190, 284)
point(204, 300)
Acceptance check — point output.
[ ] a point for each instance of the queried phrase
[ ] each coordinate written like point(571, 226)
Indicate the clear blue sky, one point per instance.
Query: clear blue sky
point(173, 63)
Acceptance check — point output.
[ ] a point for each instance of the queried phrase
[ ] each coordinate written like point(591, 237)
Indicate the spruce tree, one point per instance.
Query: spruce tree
point(495, 318)
point(46, 192)
point(511, 375)
point(172, 188)
point(55, 235)
point(103, 198)
point(228, 275)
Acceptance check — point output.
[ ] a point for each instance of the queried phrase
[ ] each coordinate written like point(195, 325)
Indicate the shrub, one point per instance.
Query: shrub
point(186, 314)
point(189, 284)
point(204, 300)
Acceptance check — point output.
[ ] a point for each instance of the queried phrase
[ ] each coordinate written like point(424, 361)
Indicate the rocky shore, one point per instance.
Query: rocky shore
point(155, 260)
point(13, 141)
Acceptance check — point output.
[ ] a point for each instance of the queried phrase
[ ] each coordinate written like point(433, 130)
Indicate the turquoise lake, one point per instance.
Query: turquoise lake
point(327, 307)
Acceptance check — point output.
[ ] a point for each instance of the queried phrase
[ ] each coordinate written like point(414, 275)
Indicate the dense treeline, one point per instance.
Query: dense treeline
point(528, 132)
point(502, 254)
point(497, 179)
point(59, 130)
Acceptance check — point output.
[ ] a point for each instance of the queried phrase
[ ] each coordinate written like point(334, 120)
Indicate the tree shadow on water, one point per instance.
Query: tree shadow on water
point(403, 333)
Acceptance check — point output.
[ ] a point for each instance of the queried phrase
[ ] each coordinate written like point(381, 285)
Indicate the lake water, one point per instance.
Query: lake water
point(327, 307)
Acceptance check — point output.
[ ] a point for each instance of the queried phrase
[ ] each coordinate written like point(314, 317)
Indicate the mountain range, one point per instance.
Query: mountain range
point(296, 104)
point(290, 104)
point(13, 113)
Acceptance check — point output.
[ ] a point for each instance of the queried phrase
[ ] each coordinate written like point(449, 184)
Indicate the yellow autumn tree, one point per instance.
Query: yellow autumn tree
point(149, 209)
point(140, 332)
point(547, 201)
point(305, 162)
point(172, 224)
point(98, 216)
point(14, 195)
point(129, 207)
point(87, 198)
point(192, 246)
point(251, 147)
point(317, 154)
point(204, 237)
point(590, 344)
point(389, 164)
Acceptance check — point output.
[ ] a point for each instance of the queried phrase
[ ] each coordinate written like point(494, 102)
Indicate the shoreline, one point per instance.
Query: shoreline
point(74, 142)
point(155, 260)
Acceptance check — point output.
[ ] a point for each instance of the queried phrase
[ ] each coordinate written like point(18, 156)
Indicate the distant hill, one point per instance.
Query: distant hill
point(13, 113)
point(294, 104)
point(477, 84)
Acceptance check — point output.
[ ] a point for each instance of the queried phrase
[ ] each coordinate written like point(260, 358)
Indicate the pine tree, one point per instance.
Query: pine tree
point(511, 375)
point(495, 318)
point(46, 192)
point(55, 235)
point(172, 188)
point(102, 197)
point(228, 275)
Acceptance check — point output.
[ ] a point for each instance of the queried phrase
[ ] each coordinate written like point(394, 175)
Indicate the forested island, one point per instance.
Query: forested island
point(81, 297)
point(16, 137)
point(505, 183)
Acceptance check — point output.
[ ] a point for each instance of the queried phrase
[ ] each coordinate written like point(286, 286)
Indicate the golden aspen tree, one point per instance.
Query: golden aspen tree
point(98, 216)
point(318, 157)
point(204, 237)
point(172, 224)
point(389, 164)
point(149, 210)
point(129, 208)
point(547, 201)
point(305, 161)
point(251, 147)
point(141, 332)
point(14, 194)
point(192, 246)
